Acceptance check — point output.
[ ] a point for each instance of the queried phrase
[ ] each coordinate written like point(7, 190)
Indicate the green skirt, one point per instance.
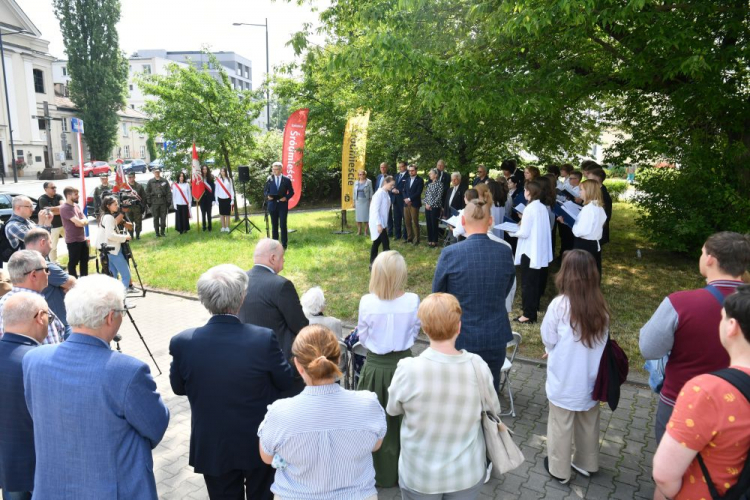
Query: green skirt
point(376, 376)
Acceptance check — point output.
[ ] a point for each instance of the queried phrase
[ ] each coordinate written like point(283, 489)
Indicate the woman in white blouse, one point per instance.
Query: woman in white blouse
point(225, 195)
point(533, 251)
point(108, 233)
point(574, 333)
point(379, 208)
point(589, 226)
point(387, 327)
point(181, 198)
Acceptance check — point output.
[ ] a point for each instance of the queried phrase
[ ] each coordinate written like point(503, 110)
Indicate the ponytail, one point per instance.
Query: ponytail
point(317, 350)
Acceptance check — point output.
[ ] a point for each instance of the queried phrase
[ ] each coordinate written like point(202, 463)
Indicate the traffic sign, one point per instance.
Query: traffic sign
point(76, 125)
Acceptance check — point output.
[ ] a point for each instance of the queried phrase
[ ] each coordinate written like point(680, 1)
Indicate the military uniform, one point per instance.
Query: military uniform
point(135, 214)
point(159, 198)
point(99, 193)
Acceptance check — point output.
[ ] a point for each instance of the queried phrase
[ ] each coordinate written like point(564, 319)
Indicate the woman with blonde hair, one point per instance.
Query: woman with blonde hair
point(443, 451)
point(589, 226)
point(362, 196)
point(309, 449)
point(388, 326)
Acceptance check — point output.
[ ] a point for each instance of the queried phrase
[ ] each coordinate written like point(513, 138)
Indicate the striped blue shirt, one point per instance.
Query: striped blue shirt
point(326, 436)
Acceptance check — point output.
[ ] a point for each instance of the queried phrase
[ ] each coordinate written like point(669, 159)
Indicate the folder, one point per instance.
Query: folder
point(510, 227)
point(519, 208)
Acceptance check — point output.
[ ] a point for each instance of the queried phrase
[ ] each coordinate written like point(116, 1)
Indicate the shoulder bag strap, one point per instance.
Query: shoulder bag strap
point(482, 385)
point(741, 381)
point(716, 293)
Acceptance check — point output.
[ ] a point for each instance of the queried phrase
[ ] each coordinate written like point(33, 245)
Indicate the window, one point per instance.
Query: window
point(127, 151)
point(130, 87)
point(234, 82)
point(42, 123)
point(65, 70)
point(247, 72)
point(143, 151)
point(38, 81)
point(132, 106)
point(5, 201)
point(239, 69)
point(124, 129)
point(68, 151)
point(19, 154)
point(146, 69)
point(38, 159)
point(64, 124)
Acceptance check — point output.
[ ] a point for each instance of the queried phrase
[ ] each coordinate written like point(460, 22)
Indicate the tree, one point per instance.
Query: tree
point(189, 105)
point(98, 69)
point(484, 78)
point(151, 146)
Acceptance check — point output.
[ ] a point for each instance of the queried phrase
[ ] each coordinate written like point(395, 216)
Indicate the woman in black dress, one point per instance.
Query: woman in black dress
point(208, 198)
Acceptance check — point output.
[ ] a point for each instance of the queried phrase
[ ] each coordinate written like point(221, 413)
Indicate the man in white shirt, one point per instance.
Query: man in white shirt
point(380, 206)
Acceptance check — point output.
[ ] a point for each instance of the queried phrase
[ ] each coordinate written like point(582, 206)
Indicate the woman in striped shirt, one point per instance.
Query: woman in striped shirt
point(317, 456)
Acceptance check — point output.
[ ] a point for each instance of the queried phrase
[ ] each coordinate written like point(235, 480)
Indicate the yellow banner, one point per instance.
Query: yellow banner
point(353, 156)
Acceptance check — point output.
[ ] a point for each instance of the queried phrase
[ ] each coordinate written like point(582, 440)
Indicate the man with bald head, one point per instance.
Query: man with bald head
point(272, 302)
point(25, 329)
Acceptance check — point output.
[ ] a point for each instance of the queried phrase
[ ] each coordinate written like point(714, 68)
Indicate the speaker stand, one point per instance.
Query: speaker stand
point(245, 220)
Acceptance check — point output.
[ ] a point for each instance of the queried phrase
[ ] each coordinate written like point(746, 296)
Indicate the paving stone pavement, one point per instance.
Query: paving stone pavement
point(627, 442)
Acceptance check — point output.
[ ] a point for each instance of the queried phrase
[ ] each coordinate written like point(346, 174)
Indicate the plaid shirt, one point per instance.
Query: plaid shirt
point(16, 229)
point(55, 329)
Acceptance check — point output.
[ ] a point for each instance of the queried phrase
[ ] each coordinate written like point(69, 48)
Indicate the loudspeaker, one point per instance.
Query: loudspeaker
point(244, 173)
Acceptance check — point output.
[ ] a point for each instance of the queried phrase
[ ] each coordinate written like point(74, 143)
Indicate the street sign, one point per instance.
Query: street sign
point(76, 125)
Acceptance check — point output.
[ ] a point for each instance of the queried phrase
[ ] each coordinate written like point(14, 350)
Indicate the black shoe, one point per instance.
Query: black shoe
point(546, 467)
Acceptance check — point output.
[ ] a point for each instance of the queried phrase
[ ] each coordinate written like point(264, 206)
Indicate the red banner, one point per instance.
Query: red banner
point(291, 156)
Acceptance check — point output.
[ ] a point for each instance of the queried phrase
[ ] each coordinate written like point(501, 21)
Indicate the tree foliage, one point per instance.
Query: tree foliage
point(98, 69)
point(477, 80)
point(189, 105)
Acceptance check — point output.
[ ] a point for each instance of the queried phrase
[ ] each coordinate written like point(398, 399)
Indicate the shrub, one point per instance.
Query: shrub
point(616, 188)
point(620, 172)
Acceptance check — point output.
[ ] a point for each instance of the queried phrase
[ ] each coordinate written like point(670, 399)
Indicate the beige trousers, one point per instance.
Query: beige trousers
point(55, 237)
point(567, 428)
point(411, 215)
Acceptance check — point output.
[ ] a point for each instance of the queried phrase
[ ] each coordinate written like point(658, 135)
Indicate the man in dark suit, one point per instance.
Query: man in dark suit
point(412, 201)
point(230, 373)
point(278, 191)
point(25, 329)
point(454, 196)
point(485, 328)
point(445, 179)
point(481, 176)
point(398, 201)
point(378, 184)
point(272, 302)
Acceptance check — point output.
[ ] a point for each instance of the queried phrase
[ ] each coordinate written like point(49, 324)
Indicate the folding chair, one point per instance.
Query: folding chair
point(505, 371)
point(358, 350)
point(345, 365)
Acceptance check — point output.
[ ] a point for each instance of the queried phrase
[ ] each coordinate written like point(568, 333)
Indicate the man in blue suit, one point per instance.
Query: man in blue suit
point(398, 201)
point(413, 187)
point(230, 372)
point(480, 274)
point(25, 329)
point(378, 184)
point(96, 412)
point(278, 191)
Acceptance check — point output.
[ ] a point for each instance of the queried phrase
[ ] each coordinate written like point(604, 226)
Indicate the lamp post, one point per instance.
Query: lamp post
point(7, 107)
point(268, 91)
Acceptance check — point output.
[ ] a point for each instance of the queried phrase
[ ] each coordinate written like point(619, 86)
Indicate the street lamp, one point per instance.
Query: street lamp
point(268, 91)
point(7, 106)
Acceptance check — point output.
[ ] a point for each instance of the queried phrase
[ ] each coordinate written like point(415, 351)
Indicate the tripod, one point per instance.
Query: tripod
point(118, 338)
point(127, 252)
point(245, 220)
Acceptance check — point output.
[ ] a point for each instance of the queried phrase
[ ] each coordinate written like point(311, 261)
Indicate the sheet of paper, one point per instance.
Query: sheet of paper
point(454, 221)
point(519, 208)
point(509, 227)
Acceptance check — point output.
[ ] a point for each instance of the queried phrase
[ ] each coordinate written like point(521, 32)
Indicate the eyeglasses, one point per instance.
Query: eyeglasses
point(26, 206)
point(45, 269)
point(51, 187)
point(121, 311)
point(41, 312)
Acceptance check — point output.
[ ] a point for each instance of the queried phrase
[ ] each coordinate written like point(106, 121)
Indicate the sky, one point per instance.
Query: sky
point(191, 24)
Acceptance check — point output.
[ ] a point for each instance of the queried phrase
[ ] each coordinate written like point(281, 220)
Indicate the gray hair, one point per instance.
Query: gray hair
point(456, 174)
point(21, 263)
point(21, 307)
point(222, 289)
point(266, 247)
point(19, 200)
point(92, 299)
point(434, 171)
point(313, 301)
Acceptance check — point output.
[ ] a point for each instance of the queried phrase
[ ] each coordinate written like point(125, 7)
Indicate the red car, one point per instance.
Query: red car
point(91, 169)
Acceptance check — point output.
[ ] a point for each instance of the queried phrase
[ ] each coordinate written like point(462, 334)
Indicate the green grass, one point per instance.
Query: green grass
point(339, 264)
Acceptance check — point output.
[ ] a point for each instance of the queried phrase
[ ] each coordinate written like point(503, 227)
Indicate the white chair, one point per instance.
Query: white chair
point(505, 370)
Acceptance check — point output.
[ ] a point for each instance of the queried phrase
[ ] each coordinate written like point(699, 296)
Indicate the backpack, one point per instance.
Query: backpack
point(741, 490)
point(6, 250)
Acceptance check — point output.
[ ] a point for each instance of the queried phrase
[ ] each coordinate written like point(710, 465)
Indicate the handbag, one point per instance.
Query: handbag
point(613, 372)
point(502, 452)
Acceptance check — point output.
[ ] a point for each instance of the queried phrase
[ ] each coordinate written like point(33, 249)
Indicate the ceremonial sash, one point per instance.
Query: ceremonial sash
point(184, 198)
point(208, 186)
point(218, 179)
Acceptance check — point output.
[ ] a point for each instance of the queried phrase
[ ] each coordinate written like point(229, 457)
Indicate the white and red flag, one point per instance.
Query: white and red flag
point(121, 184)
point(198, 186)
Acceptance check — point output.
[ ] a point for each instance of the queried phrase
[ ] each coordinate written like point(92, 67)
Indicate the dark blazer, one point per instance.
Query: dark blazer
point(377, 185)
point(477, 180)
point(272, 302)
point(458, 200)
point(97, 416)
point(484, 322)
point(445, 179)
point(285, 190)
point(400, 185)
point(607, 210)
point(17, 458)
point(230, 373)
point(414, 193)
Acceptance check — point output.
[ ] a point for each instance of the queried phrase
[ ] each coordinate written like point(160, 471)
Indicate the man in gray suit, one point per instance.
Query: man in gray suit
point(272, 302)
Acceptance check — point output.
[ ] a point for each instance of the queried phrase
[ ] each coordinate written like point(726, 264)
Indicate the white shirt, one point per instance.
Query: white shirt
point(177, 198)
point(571, 366)
point(535, 236)
point(220, 193)
point(108, 232)
point(453, 193)
point(590, 223)
point(388, 325)
point(459, 230)
point(379, 206)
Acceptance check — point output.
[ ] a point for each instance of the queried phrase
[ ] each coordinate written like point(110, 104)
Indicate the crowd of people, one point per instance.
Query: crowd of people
point(262, 376)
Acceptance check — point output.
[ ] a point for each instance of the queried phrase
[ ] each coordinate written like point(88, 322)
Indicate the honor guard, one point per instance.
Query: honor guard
point(159, 198)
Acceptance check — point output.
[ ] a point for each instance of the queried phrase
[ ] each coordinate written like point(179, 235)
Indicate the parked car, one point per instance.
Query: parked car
point(156, 163)
point(6, 205)
point(134, 166)
point(91, 169)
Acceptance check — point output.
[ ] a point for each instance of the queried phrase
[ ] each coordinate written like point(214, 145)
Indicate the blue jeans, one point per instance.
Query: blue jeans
point(118, 264)
point(16, 495)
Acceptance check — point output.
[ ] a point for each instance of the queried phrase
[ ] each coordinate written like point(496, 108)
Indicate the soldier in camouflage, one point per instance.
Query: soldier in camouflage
point(100, 192)
point(159, 198)
point(137, 208)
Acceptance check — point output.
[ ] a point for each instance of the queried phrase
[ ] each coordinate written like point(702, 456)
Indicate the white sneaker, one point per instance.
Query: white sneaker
point(579, 470)
point(488, 475)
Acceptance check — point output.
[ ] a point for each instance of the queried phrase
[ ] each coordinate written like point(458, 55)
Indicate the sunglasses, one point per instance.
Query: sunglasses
point(45, 269)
